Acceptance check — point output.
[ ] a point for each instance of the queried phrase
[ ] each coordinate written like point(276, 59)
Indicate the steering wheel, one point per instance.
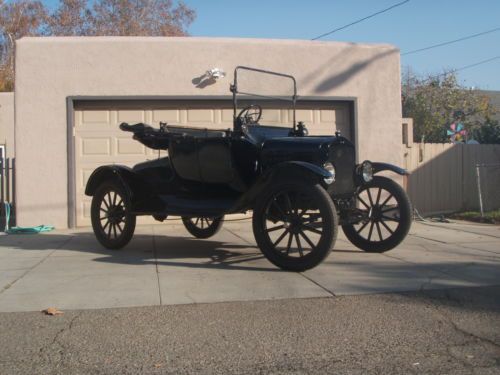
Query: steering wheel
point(250, 115)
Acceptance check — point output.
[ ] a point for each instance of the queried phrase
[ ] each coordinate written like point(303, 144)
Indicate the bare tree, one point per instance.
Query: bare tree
point(71, 18)
point(20, 18)
point(141, 18)
point(17, 19)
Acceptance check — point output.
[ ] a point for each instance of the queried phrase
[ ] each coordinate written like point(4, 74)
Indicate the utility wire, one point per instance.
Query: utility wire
point(451, 41)
point(361, 20)
point(461, 68)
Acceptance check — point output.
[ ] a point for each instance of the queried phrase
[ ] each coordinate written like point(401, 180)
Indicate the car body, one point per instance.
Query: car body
point(307, 185)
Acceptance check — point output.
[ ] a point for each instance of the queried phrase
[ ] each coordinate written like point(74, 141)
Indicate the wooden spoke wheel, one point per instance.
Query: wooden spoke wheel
point(203, 227)
point(295, 225)
point(387, 212)
point(110, 214)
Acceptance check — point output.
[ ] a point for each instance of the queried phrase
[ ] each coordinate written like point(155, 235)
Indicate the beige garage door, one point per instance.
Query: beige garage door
point(99, 141)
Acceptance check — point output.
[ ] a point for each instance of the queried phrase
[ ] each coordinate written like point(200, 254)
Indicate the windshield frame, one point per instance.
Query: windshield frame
point(234, 90)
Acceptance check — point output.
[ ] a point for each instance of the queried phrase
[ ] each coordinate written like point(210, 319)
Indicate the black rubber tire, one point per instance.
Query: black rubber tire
point(326, 241)
point(400, 232)
point(213, 226)
point(111, 240)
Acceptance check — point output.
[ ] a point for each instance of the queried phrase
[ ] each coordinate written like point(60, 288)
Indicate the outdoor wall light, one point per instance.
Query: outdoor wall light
point(216, 73)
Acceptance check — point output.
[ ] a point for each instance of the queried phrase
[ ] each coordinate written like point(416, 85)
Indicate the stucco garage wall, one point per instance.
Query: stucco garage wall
point(7, 122)
point(49, 70)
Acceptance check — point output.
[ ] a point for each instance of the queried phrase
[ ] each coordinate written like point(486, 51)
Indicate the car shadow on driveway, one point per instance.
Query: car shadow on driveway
point(144, 249)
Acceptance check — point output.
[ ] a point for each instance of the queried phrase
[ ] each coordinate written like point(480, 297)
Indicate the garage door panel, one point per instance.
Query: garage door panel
point(95, 146)
point(99, 141)
point(95, 117)
point(166, 115)
point(131, 116)
point(227, 116)
point(129, 146)
point(205, 116)
point(305, 115)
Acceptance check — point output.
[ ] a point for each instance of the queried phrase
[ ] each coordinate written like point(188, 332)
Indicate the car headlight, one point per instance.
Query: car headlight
point(330, 169)
point(366, 171)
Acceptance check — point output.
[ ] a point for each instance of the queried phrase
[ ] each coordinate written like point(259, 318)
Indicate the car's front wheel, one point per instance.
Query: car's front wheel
point(112, 221)
point(295, 225)
point(387, 212)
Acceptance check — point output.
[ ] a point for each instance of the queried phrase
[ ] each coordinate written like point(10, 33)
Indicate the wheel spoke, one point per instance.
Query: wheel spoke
point(363, 226)
point(370, 196)
point(196, 222)
point(371, 231)
point(386, 226)
point(379, 231)
point(119, 228)
point(311, 229)
point(275, 228)
point(386, 200)
point(114, 198)
point(290, 238)
point(109, 230)
point(105, 226)
point(103, 218)
point(283, 215)
point(114, 231)
point(307, 240)
point(288, 204)
point(390, 209)
point(388, 218)
point(280, 238)
point(103, 210)
point(378, 195)
point(311, 219)
point(105, 203)
point(108, 195)
point(363, 202)
point(304, 211)
point(301, 252)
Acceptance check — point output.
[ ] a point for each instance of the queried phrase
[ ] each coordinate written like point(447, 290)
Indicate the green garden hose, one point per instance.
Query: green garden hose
point(23, 230)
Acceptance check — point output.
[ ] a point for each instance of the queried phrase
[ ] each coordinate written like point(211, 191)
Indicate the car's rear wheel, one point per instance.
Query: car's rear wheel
point(112, 221)
point(387, 220)
point(203, 227)
point(295, 225)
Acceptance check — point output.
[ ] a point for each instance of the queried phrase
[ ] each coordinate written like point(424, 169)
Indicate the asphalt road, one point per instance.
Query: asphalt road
point(453, 331)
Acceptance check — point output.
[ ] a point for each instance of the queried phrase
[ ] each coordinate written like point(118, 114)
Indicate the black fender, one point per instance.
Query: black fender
point(378, 167)
point(118, 173)
point(280, 172)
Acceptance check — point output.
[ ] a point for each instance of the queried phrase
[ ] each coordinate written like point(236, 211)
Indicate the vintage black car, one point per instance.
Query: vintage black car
point(299, 187)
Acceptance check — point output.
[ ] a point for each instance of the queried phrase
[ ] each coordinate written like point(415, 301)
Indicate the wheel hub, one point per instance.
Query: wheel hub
point(375, 212)
point(294, 224)
point(115, 215)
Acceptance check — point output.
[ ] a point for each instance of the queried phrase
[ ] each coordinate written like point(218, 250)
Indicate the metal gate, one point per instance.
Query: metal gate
point(7, 189)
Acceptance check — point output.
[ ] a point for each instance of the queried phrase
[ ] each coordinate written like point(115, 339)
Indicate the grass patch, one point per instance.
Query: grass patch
point(490, 217)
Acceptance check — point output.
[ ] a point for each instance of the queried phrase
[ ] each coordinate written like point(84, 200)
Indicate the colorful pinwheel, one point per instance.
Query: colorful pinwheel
point(457, 132)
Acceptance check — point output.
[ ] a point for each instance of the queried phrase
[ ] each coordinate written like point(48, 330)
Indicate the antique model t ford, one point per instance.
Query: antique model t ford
point(299, 187)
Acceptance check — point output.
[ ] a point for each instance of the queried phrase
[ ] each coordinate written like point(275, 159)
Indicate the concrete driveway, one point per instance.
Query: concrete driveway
point(164, 265)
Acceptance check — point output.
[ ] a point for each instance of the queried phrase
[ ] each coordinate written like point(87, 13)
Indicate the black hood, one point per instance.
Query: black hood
point(312, 149)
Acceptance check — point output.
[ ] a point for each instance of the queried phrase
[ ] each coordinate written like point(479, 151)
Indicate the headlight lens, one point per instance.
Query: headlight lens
point(330, 169)
point(366, 171)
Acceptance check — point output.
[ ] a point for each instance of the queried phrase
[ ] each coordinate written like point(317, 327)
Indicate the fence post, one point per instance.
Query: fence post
point(1, 181)
point(7, 180)
point(478, 175)
point(13, 198)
